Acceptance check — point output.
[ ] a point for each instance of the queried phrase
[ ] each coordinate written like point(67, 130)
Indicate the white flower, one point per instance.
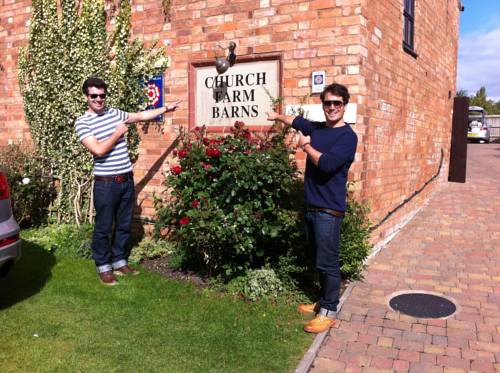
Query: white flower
point(26, 180)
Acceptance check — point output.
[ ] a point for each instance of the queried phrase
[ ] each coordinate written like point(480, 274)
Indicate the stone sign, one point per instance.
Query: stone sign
point(242, 93)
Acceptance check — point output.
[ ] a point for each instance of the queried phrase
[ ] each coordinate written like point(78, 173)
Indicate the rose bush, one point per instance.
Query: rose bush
point(31, 184)
point(228, 202)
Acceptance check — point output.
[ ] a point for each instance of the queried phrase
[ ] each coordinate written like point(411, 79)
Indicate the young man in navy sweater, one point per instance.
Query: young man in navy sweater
point(330, 147)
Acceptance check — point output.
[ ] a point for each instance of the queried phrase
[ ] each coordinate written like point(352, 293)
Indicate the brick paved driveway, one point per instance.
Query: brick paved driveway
point(452, 246)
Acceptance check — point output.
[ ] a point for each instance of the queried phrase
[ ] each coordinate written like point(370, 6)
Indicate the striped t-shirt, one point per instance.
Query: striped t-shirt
point(102, 126)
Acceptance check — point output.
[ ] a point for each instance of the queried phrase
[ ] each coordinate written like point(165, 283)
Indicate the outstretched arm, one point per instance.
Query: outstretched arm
point(287, 119)
point(144, 116)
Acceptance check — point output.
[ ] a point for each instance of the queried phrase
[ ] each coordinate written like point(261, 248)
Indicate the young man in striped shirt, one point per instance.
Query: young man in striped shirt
point(101, 130)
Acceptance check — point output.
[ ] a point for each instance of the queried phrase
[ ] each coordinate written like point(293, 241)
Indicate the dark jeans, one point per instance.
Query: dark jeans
point(114, 203)
point(323, 232)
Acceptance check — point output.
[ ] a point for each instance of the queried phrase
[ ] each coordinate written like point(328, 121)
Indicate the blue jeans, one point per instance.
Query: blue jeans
point(323, 232)
point(114, 204)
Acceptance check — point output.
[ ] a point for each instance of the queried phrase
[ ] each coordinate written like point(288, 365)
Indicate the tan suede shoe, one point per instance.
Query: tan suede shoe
point(125, 270)
point(308, 309)
point(319, 324)
point(108, 279)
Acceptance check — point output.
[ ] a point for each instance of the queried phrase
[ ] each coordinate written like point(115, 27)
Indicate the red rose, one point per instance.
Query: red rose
point(184, 220)
point(182, 152)
point(195, 203)
point(246, 135)
point(176, 170)
point(212, 152)
point(239, 124)
point(206, 166)
point(175, 152)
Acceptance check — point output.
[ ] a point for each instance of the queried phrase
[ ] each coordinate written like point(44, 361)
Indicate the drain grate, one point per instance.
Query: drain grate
point(423, 305)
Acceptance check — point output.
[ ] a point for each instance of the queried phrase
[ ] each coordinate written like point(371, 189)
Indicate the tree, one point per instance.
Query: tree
point(66, 46)
point(481, 99)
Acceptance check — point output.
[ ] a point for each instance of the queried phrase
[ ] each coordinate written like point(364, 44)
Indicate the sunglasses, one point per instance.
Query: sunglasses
point(335, 103)
point(95, 95)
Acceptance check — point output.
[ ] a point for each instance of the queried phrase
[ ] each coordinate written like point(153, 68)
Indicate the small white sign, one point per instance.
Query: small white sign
point(318, 81)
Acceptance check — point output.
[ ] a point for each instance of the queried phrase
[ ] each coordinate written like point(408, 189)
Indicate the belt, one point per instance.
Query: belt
point(116, 178)
point(336, 213)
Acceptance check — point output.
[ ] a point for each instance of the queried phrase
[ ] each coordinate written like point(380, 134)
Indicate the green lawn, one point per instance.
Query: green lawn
point(56, 317)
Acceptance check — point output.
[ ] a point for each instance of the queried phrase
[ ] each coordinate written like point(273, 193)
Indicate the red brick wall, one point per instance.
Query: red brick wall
point(309, 35)
point(404, 114)
point(408, 103)
point(14, 20)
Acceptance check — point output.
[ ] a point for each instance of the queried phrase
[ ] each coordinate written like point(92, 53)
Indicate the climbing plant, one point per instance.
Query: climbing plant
point(68, 42)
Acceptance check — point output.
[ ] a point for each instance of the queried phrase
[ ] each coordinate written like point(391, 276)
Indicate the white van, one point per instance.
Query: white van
point(478, 126)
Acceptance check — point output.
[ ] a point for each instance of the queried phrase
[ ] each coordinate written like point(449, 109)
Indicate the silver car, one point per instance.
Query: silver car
point(478, 126)
point(10, 242)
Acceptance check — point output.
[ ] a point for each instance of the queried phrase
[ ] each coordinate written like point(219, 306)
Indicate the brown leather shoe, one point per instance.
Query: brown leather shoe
point(319, 324)
point(308, 309)
point(107, 278)
point(125, 270)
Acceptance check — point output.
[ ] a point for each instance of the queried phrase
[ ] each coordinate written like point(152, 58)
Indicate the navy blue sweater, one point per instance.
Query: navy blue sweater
point(325, 184)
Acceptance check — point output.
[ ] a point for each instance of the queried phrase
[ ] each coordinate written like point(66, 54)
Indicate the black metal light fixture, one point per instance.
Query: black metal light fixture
point(223, 63)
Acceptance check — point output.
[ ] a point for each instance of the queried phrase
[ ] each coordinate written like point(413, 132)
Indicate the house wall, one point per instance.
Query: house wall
point(14, 21)
point(408, 104)
point(403, 110)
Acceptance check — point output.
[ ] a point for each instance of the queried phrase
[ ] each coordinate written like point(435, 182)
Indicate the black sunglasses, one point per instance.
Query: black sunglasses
point(335, 103)
point(95, 95)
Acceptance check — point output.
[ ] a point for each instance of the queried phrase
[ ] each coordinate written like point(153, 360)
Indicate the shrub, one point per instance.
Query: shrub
point(354, 240)
point(229, 208)
point(257, 284)
point(150, 249)
point(31, 185)
point(64, 239)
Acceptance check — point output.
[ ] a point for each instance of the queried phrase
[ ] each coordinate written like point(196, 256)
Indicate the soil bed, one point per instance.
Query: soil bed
point(162, 267)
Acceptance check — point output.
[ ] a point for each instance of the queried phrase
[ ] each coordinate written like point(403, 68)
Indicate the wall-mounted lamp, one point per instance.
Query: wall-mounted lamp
point(223, 63)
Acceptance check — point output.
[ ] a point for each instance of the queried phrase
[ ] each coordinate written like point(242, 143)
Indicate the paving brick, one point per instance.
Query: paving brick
point(412, 356)
point(453, 362)
point(322, 365)
point(436, 330)
point(354, 360)
point(357, 347)
point(385, 341)
point(423, 367)
point(381, 362)
point(401, 365)
point(434, 349)
point(383, 351)
point(482, 366)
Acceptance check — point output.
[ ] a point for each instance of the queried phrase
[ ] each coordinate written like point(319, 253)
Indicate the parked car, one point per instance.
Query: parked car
point(478, 126)
point(10, 242)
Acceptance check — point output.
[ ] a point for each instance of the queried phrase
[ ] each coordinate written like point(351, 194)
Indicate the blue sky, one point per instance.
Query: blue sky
point(479, 47)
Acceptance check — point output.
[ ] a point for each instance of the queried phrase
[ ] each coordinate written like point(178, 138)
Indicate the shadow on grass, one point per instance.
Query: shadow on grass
point(28, 276)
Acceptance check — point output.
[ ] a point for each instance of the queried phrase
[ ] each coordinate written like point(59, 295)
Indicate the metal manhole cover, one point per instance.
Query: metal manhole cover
point(423, 305)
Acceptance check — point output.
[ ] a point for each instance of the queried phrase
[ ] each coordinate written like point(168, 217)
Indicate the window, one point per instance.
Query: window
point(409, 26)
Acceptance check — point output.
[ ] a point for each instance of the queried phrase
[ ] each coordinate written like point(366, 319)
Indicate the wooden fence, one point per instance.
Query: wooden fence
point(494, 124)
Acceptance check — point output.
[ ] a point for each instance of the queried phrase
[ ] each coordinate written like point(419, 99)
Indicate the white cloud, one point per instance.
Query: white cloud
point(479, 62)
